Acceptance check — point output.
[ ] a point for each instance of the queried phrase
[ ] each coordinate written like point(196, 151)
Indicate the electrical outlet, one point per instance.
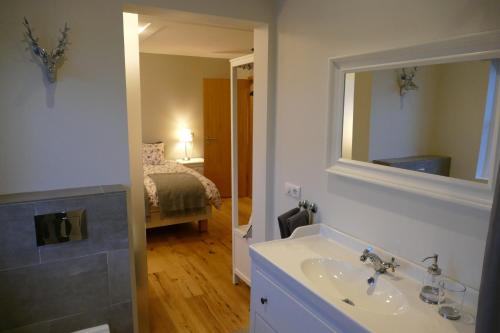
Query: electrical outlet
point(292, 190)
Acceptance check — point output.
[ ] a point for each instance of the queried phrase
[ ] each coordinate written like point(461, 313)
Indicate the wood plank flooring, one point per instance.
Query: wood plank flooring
point(244, 210)
point(190, 277)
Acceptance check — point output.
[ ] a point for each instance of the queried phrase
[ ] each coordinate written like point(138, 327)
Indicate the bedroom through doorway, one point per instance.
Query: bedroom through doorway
point(186, 116)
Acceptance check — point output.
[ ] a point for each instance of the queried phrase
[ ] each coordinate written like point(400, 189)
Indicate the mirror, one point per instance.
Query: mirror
point(436, 119)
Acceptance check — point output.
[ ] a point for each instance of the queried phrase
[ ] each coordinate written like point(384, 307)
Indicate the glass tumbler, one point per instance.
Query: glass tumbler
point(451, 299)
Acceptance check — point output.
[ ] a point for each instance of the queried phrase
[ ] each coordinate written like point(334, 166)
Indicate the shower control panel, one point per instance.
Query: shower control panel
point(60, 227)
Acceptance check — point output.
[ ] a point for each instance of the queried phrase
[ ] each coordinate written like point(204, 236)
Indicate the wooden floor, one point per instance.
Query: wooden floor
point(190, 277)
point(244, 210)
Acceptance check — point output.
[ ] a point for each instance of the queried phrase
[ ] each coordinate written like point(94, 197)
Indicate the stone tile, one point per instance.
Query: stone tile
point(65, 251)
point(71, 323)
point(43, 327)
point(17, 236)
point(120, 318)
point(57, 205)
point(80, 321)
point(112, 231)
point(119, 276)
point(107, 225)
point(113, 188)
point(49, 195)
point(52, 290)
point(114, 205)
point(62, 295)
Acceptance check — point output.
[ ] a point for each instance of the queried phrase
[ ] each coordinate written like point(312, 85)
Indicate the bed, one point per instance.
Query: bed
point(175, 194)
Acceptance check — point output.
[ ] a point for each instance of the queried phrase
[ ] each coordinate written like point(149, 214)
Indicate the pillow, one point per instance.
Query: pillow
point(152, 153)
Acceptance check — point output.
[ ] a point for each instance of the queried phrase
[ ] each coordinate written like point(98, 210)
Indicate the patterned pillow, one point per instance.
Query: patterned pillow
point(152, 153)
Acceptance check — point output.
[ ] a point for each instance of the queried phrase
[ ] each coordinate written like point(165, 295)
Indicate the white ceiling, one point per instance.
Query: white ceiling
point(194, 39)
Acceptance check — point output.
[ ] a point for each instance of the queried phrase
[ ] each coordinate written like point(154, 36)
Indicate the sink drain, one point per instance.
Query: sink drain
point(348, 301)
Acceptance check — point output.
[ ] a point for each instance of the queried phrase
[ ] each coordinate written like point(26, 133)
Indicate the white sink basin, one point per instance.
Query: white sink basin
point(341, 280)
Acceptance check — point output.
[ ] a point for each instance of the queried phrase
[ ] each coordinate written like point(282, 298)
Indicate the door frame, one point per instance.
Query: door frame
point(261, 190)
point(235, 63)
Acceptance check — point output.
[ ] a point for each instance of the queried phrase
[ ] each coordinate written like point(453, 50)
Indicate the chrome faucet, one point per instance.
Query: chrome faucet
point(380, 266)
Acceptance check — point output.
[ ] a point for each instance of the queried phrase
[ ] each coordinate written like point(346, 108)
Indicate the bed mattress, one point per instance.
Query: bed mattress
point(170, 167)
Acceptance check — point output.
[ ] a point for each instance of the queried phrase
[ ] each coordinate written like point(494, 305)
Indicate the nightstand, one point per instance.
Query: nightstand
point(195, 163)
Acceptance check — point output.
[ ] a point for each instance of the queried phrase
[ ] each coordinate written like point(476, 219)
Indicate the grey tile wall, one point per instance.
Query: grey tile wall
point(17, 239)
point(118, 276)
point(69, 286)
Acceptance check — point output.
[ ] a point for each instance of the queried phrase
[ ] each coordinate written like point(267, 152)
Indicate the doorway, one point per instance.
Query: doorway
point(173, 274)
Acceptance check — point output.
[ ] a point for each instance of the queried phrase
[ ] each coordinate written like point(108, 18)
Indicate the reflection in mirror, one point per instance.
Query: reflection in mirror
point(436, 119)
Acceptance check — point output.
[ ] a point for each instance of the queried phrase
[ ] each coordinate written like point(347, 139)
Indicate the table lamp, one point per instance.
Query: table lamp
point(186, 136)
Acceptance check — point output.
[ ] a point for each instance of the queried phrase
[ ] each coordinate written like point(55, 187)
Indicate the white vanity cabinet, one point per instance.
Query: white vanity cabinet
point(274, 310)
point(314, 282)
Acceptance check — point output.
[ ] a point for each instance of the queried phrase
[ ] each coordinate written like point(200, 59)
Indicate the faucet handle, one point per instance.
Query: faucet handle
point(363, 257)
point(394, 264)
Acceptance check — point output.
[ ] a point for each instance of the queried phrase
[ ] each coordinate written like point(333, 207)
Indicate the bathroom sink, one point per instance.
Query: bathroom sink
point(319, 268)
point(341, 280)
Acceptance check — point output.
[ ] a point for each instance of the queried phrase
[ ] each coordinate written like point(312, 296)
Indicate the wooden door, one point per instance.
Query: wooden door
point(250, 142)
point(217, 129)
point(245, 138)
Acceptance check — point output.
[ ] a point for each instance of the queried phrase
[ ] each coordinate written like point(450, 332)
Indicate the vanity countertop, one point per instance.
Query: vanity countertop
point(319, 241)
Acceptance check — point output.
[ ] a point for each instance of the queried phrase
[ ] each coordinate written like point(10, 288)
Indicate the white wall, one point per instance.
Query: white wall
point(172, 99)
point(75, 132)
point(402, 126)
point(406, 224)
point(72, 133)
point(459, 123)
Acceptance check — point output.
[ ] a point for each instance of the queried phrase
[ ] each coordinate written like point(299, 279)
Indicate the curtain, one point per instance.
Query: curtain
point(488, 311)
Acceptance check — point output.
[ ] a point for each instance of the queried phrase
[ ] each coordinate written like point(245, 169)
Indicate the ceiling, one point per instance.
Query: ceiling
point(200, 39)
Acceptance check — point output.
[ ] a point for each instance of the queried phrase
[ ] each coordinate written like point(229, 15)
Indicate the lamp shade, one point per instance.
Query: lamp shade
point(185, 135)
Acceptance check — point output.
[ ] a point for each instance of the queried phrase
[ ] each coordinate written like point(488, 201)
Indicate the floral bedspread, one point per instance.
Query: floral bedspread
point(211, 190)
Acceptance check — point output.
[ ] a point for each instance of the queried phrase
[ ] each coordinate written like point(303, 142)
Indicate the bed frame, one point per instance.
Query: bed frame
point(153, 219)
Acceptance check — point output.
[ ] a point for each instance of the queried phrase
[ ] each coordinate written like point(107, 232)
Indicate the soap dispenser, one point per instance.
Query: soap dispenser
point(430, 285)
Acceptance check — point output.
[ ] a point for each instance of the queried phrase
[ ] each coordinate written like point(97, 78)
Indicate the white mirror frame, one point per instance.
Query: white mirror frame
point(466, 48)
